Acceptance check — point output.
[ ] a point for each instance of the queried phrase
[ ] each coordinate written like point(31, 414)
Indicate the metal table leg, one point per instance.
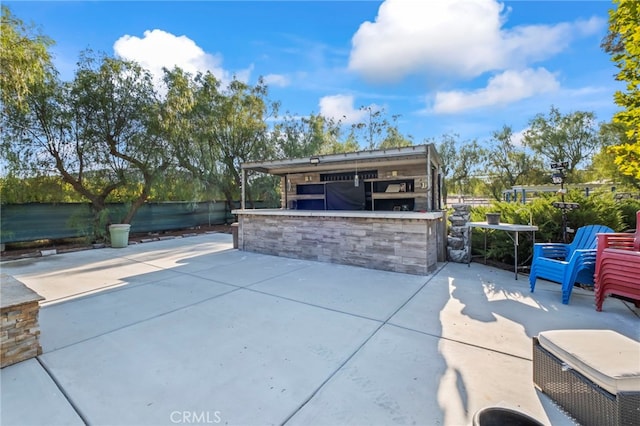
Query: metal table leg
point(514, 238)
point(469, 247)
point(485, 245)
point(515, 249)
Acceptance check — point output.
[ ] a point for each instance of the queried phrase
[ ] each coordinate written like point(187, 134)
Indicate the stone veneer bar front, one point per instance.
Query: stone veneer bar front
point(407, 242)
point(19, 327)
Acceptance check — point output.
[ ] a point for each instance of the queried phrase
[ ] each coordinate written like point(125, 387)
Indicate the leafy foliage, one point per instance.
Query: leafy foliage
point(468, 162)
point(25, 60)
point(99, 132)
point(508, 164)
point(297, 137)
point(41, 189)
point(603, 165)
point(627, 158)
point(214, 129)
point(377, 131)
point(461, 163)
point(111, 135)
point(623, 44)
point(597, 208)
point(563, 137)
point(628, 208)
point(447, 150)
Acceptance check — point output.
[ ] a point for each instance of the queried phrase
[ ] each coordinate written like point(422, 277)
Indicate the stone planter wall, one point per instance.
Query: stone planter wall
point(19, 329)
point(458, 238)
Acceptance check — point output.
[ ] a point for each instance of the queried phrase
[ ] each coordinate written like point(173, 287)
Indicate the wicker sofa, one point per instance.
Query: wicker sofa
point(593, 374)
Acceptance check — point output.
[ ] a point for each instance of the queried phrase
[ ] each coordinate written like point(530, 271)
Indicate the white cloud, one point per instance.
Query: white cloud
point(277, 80)
point(340, 108)
point(453, 37)
point(504, 88)
point(518, 137)
point(592, 26)
point(158, 49)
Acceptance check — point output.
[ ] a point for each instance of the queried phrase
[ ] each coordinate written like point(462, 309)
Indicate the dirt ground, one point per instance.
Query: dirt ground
point(35, 248)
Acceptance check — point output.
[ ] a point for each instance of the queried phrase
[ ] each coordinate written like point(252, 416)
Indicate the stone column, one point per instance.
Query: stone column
point(458, 238)
point(18, 321)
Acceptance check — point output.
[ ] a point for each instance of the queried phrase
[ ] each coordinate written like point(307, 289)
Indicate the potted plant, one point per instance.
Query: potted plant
point(119, 234)
point(493, 218)
point(118, 231)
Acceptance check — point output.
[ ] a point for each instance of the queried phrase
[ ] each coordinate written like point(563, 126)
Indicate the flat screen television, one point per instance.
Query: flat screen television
point(345, 196)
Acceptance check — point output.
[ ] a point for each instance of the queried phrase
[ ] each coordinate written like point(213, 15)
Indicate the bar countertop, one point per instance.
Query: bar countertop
point(342, 213)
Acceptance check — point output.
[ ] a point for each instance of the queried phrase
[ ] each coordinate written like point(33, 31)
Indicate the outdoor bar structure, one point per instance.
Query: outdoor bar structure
point(376, 209)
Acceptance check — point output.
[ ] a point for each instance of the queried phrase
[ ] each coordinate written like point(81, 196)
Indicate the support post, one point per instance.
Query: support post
point(244, 184)
point(429, 181)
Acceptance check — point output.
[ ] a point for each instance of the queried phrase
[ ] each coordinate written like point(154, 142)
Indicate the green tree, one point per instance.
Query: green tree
point(507, 164)
point(99, 132)
point(627, 158)
point(448, 153)
point(468, 164)
point(297, 137)
point(240, 130)
point(334, 146)
point(38, 189)
point(606, 164)
point(393, 137)
point(462, 161)
point(556, 137)
point(371, 128)
point(25, 60)
point(186, 121)
point(217, 128)
point(377, 131)
point(119, 114)
point(623, 44)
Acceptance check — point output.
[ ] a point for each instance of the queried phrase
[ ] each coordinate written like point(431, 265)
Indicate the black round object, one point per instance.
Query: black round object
point(498, 416)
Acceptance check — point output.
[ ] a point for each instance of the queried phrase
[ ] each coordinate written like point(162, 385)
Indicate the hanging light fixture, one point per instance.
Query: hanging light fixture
point(356, 178)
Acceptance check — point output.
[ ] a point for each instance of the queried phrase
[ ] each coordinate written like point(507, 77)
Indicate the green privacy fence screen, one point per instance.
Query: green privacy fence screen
point(38, 221)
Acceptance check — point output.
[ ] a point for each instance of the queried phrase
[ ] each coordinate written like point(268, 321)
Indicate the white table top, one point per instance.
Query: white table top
point(503, 226)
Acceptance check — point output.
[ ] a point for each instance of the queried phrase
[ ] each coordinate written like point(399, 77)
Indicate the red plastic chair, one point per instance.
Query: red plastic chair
point(618, 265)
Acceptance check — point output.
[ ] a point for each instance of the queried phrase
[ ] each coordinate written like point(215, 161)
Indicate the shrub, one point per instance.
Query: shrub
point(598, 208)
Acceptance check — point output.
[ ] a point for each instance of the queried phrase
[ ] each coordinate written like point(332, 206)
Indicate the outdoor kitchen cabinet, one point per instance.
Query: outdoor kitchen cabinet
point(310, 196)
point(400, 193)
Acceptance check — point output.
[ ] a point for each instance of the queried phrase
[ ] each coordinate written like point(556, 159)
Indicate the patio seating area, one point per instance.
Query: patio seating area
point(567, 264)
point(190, 330)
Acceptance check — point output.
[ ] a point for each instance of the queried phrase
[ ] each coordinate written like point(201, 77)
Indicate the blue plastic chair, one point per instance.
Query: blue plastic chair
point(567, 264)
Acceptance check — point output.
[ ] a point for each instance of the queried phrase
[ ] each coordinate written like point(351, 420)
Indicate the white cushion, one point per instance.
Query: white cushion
point(607, 358)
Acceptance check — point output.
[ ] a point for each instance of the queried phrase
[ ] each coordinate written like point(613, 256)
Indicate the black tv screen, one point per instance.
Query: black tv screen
point(345, 196)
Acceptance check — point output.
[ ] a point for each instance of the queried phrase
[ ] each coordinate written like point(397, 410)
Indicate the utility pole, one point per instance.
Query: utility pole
point(558, 177)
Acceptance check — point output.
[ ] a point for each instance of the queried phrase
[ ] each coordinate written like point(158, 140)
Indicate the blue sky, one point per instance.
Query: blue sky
point(463, 67)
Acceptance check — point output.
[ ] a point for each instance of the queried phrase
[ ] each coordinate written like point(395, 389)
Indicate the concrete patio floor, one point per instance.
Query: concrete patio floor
point(191, 331)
